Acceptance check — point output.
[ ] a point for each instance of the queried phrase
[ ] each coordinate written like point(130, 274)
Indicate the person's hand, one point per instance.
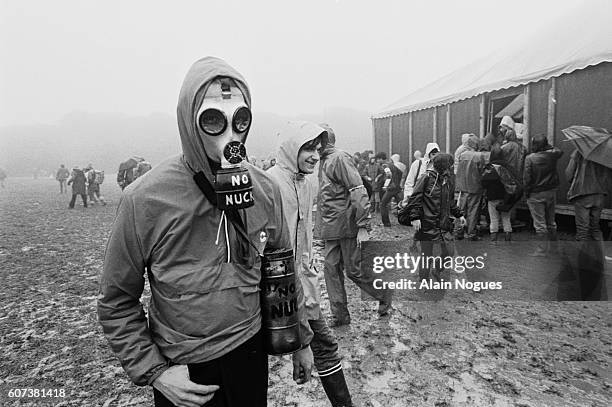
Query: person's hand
point(302, 365)
point(175, 385)
point(416, 224)
point(362, 236)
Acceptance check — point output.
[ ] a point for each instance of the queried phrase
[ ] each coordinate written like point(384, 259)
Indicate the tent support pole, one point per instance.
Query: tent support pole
point(482, 116)
point(373, 135)
point(435, 125)
point(527, 136)
point(410, 149)
point(390, 135)
point(448, 128)
point(552, 111)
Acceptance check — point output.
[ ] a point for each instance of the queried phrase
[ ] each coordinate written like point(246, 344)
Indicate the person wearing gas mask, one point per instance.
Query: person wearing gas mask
point(196, 223)
point(297, 157)
point(343, 222)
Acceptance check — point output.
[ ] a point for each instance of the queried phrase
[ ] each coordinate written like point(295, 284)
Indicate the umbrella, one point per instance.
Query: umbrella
point(595, 144)
point(130, 163)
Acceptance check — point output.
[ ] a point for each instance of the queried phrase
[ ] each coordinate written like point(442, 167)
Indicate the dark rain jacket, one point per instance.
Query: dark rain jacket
point(511, 155)
point(202, 306)
point(540, 173)
point(343, 205)
point(78, 181)
point(433, 202)
point(587, 177)
point(299, 193)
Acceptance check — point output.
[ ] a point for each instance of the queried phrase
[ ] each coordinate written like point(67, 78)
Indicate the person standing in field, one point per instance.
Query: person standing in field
point(62, 176)
point(343, 222)
point(297, 158)
point(78, 181)
point(201, 341)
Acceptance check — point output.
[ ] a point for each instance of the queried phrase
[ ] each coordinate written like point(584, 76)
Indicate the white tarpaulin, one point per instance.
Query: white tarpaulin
point(581, 40)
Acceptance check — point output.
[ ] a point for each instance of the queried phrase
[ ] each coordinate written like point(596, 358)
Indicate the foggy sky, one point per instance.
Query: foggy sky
point(298, 56)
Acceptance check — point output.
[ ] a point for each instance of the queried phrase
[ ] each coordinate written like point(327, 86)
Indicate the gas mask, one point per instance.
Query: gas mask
point(223, 122)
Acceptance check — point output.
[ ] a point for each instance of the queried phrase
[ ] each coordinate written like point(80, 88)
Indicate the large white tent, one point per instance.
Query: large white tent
point(577, 41)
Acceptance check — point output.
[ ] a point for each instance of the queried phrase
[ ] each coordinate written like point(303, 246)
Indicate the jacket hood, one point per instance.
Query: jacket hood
point(429, 148)
point(194, 87)
point(294, 136)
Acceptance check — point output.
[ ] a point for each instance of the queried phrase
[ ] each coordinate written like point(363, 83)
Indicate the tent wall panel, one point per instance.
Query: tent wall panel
point(583, 98)
point(465, 118)
point(441, 127)
point(422, 127)
point(538, 107)
point(381, 135)
point(400, 137)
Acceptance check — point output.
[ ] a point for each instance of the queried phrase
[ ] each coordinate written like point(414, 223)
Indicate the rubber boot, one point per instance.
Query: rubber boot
point(540, 244)
point(384, 306)
point(336, 389)
point(494, 237)
point(508, 236)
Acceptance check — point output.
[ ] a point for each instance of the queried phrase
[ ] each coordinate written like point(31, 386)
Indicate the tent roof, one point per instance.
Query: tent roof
point(581, 39)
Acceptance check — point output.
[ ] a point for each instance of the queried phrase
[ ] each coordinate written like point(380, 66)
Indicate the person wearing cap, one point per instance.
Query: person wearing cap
point(343, 222)
point(297, 157)
point(201, 340)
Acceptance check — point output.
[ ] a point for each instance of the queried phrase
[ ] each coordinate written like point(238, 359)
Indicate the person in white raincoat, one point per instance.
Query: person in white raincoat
point(298, 155)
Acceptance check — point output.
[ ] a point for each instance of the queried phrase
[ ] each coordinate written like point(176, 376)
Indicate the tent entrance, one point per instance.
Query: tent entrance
point(505, 104)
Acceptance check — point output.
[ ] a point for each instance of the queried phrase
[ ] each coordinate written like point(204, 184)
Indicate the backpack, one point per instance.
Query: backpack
point(99, 177)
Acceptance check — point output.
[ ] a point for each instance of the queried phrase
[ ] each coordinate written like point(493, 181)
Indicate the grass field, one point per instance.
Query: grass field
point(449, 353)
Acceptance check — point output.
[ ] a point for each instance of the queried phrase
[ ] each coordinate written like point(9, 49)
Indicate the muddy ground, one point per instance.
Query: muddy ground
point(465, 352)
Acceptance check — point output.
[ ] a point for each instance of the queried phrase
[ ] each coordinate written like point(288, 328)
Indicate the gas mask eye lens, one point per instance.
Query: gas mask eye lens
point(212, 122)
point(242, 120)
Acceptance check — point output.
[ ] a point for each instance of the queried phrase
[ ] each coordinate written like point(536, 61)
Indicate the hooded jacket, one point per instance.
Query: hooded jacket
point(343, 205)
point(470, 166)
point(433, 203)
point(202, 306)
point(461, 149)
point(415, 172)
point(299, 192)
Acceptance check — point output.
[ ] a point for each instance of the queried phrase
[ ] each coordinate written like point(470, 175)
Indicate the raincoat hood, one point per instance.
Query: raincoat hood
point(294, 136)
point(429, 148)
point(193, 90)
